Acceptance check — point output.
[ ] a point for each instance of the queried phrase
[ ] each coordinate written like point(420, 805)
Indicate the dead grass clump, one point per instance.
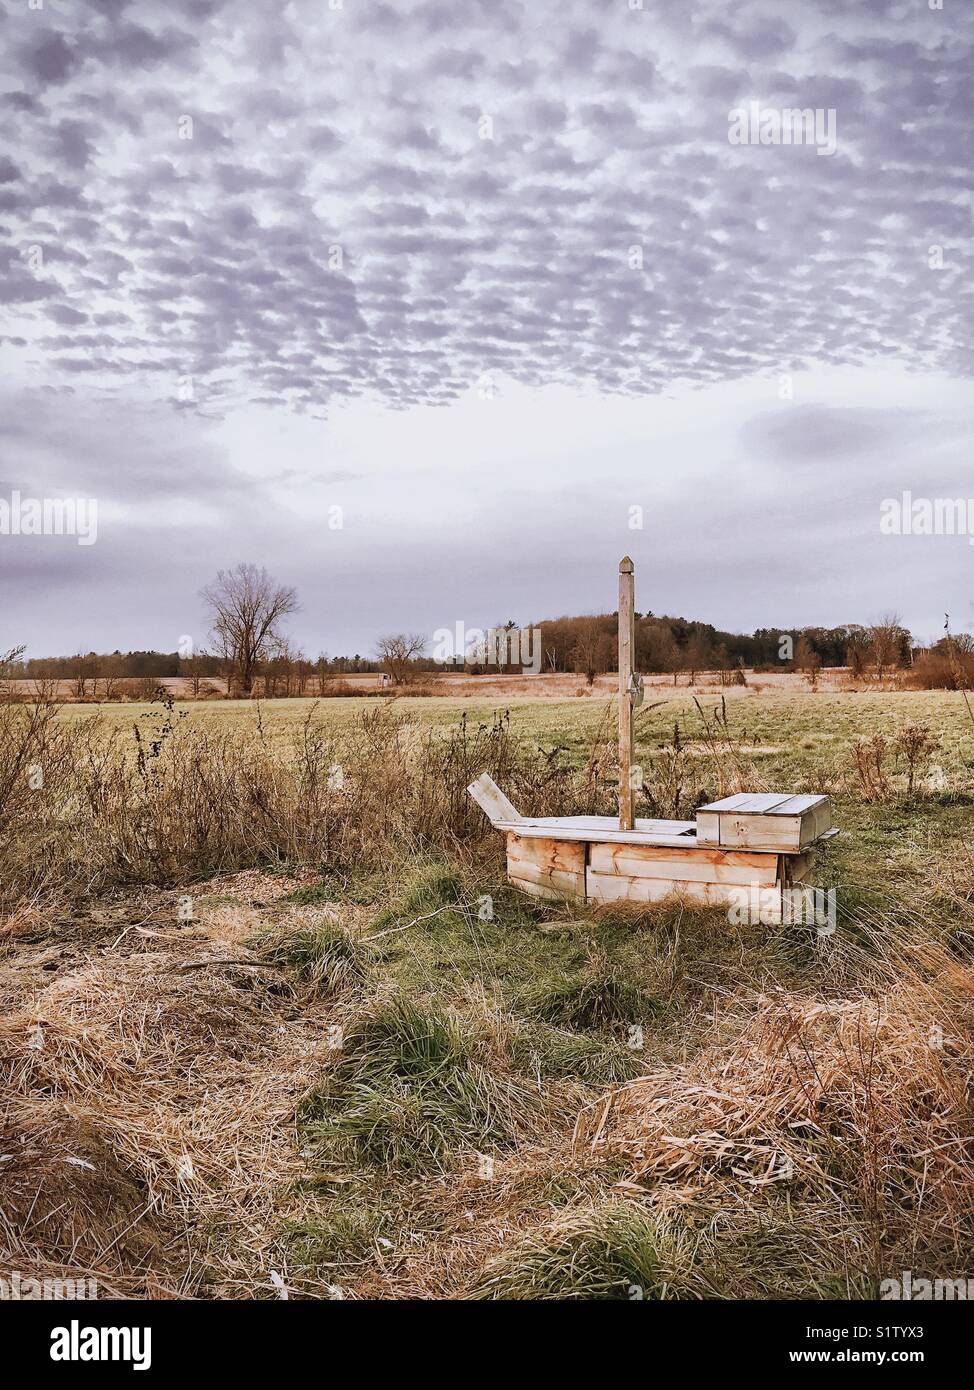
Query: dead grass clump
point(186, 1073)
point(84, 809)
point(37, 762)
point(68, 1200)
point(860, 1104)
point(175, 1015)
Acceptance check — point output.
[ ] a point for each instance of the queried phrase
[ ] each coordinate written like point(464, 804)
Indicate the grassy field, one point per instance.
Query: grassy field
point(792, 726)
point(264, 1030)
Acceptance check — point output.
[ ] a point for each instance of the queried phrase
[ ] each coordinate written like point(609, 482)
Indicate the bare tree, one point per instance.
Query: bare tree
point(808, 661)
point(857, 651)
point(592, 651)
point(321, 673)
point(83, 672)
point(696, 656)
point(193, 666)
point(397, 654)
point(886, 643)
point(656, 648)
point(246, 609)
point(111, 676)
point(303, 672)
point(45, 689)
point(282, 670)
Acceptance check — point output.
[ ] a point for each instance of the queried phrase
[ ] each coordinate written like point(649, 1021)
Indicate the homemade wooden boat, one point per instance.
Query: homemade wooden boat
point(761, 842)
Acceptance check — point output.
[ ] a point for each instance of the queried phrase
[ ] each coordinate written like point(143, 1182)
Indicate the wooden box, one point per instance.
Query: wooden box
point(764, 821)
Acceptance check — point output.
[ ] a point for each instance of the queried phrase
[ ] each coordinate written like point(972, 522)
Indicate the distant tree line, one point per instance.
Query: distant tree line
point(588, 646)
point(584, 645)
point(98, 673)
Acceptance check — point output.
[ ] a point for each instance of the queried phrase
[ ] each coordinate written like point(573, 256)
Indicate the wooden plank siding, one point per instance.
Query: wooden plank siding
point(621, 888)
point(606, 872)
point(539, 890)
point(578, 857)
point(555, 865)
point(685, 865)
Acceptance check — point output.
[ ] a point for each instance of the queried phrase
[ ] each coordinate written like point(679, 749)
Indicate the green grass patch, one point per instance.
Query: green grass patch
point(550, 1053)
point(599, 997)
point(311, 893)
point(424, 891)
point(335, 1238)
point(614, 1251)
point(325, 957)
point(411, 1092)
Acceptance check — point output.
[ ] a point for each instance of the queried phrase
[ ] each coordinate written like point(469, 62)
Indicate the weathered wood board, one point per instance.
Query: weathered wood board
point(556, 865)
point(693, 865)
point(796, 867)
point(492, 800)
point(539, 890)
point(606, 828)
point(629, 888)
point(620, 888)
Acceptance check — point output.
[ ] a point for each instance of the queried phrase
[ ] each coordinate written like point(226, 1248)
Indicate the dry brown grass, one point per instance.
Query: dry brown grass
point(859, 1107)
point(151, 1115)
point(178, 802)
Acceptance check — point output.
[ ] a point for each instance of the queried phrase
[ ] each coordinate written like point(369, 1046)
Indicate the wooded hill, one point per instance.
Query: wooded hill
point(588, 645)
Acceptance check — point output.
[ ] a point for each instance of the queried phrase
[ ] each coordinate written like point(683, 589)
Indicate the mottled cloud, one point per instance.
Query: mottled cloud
point(311, 203)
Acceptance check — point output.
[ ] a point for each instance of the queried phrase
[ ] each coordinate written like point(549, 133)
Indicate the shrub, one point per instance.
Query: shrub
point(942, 668)
point(869, 756)
point(915, 743)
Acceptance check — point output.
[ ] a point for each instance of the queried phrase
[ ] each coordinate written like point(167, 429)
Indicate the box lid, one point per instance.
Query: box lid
point(766, 804)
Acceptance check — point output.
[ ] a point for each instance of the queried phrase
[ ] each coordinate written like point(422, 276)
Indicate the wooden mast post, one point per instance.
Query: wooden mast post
point(626, 643)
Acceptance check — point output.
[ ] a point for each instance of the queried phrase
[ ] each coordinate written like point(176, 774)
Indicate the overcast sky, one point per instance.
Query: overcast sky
point(415, 303)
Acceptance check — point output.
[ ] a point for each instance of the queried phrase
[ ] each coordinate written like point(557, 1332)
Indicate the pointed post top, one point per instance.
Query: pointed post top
point(626, 566)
